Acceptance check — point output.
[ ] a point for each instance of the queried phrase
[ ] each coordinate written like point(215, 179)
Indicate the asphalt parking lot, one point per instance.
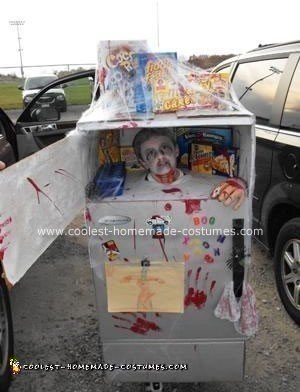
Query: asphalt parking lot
point(55, 321)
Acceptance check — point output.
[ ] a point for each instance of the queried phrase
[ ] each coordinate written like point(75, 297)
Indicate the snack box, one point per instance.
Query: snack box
point(201, 158)
point(153, 70)
point(128, 156)
point(109, 151)
point(109, 180)
point(215, 136)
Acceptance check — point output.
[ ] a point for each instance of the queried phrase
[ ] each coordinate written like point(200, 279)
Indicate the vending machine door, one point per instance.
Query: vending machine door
point(40, 196)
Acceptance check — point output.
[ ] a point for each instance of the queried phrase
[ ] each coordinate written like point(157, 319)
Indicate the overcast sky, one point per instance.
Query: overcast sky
point(60, 31)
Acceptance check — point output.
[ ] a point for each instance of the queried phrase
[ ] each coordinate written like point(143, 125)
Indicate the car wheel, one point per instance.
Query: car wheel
point(287, 267)
point(6, 337)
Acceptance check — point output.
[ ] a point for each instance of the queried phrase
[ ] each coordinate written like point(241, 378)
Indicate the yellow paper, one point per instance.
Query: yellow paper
point(157, 288)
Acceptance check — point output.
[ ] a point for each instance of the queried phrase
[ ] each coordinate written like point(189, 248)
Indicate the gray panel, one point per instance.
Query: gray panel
point(206, 361)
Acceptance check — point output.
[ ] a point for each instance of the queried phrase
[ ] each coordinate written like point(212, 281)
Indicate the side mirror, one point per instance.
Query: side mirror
point(64, 85)
point(20, 87)
point(45, 114)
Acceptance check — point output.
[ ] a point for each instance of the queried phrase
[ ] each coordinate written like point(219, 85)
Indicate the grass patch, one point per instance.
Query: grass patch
point(77, 93)
point(10, 96)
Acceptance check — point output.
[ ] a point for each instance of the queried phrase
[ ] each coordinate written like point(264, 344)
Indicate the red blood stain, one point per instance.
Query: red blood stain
point(192, 205)
point(199, 299)
point(172, 190)
point(212, 286)
point(2, 237)
point(198, 274)
point(87, 215)
point(189, 296)
point(140, 326)
point(168, 206)
point(6, 222)
point(195, 296)
point(2, 251)
point(65, 173)
point(38, 191)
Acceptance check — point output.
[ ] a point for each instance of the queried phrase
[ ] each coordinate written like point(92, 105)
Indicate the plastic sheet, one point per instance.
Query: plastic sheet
point(134, 83)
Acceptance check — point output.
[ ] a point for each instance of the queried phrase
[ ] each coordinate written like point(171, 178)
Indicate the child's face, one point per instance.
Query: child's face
point(159, 155)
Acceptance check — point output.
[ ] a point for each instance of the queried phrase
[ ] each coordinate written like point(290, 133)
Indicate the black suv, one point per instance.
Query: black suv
point(267, 82)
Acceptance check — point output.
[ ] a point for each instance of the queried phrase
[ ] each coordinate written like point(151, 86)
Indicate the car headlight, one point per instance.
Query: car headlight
point(28, 98)
point(60, 97)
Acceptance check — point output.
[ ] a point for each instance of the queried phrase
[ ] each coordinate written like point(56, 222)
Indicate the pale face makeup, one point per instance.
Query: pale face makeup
point(159, 155)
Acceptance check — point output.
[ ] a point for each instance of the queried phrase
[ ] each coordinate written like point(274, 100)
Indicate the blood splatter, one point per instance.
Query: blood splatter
point(2, 251)
point(192, 205)
point(194, 296)
point(168, 206)
point(212, 286)
point(3, 236)
point(6, 222)
point(190, 293)
point(172, 190)
point(87, 215)
point(189, 296)
point(140, 326)
point(39, 190)
point(65, 173)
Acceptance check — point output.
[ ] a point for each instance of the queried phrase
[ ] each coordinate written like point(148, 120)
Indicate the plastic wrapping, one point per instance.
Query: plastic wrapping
point(134, 83)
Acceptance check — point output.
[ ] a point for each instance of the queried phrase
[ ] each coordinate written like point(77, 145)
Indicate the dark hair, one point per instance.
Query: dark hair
point(147, 133)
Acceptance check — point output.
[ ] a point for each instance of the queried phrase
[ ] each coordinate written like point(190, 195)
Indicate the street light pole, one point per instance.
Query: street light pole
point(157, 22)
point(19, 23)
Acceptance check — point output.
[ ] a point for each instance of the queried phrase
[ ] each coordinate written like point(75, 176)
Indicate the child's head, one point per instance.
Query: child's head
point(156, 149)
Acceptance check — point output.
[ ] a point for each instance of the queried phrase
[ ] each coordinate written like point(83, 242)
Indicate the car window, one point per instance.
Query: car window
point(224, 70)
point(291, 114)
point(70, 99)
point(255, 84)
point(38, 82)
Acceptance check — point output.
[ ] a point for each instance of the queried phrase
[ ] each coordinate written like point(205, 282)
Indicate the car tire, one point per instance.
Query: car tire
point(6, 337)
point(287, 267)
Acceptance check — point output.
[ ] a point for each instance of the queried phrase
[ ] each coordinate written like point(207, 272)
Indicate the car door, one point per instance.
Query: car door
point(286, 158)
point(256, 83)
point(8, 151)
point(50, 116)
